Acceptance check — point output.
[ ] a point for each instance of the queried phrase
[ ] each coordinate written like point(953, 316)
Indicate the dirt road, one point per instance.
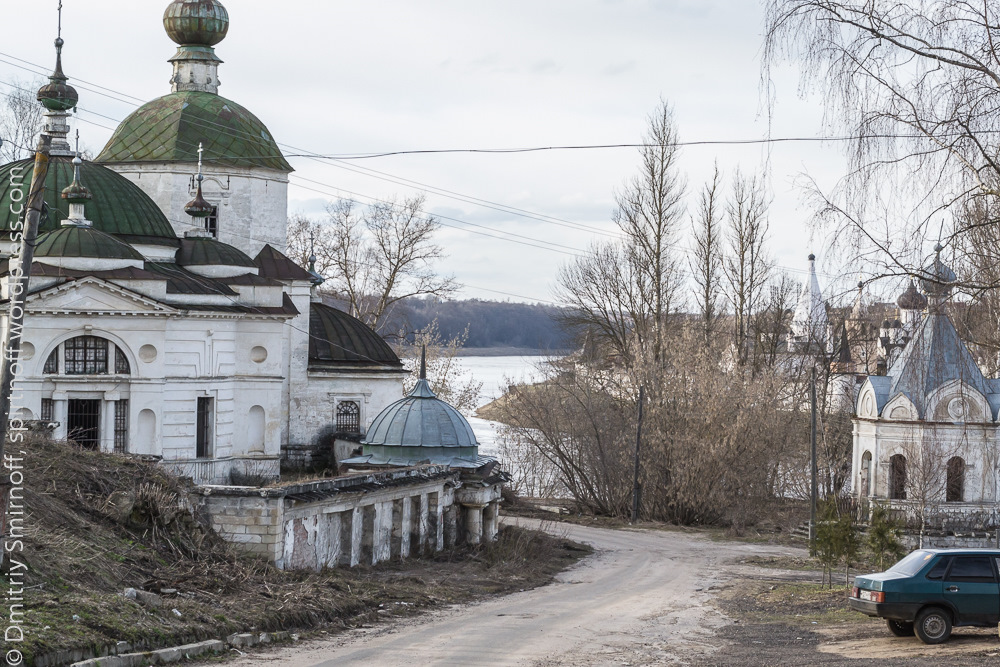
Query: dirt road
point(642, 598)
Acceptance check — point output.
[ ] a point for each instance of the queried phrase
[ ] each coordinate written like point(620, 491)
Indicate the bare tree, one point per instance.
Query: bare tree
point(375, 257)
point(630, 303)
point(916, 85)
point(747, 266)
point(20, 120)
point(706, 262)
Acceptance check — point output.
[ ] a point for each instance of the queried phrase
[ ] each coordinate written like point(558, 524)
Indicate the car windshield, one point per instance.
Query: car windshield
point(912, 563)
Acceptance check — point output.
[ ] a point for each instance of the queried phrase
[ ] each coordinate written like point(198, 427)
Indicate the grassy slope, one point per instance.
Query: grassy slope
point(99, 523)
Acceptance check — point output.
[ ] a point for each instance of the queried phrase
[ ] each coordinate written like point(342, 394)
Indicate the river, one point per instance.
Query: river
point(495, 373)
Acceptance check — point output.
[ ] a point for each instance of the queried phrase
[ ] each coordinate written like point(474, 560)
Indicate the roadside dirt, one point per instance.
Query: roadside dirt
point(783, 616)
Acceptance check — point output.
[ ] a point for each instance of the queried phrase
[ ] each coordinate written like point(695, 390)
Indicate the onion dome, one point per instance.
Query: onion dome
point(85, 248)
point(420, 427)
point(911, 298)
point(198, 207)
point(57, 95)
point(76, 192)
point(336, 339)
point(196, 22)
point(939, 275)
point(119, 207)
point(170, 128)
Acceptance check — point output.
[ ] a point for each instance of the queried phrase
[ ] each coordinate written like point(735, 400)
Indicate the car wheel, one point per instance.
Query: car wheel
point(933, 625)
point(900, 628)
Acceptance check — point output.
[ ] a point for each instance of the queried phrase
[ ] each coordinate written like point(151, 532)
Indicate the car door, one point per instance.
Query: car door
point(971, 587)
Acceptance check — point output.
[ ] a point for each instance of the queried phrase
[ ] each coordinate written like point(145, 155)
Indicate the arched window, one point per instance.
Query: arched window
point(897, 477)
point(955, 489)
point(348, 417)
point(87, 355)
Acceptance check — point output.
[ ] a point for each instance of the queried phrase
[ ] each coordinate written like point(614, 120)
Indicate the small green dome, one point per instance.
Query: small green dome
point(209, 252)
point(57, 95)
point(119, 207)
point(83, 242)
point(196, 22)
point(169, 129)
point(421, 426)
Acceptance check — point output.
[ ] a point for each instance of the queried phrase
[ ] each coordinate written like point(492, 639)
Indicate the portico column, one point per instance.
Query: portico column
point(474, 523)
point(492, 521)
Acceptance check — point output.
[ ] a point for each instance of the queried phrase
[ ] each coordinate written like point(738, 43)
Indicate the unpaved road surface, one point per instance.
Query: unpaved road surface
point(641, 599)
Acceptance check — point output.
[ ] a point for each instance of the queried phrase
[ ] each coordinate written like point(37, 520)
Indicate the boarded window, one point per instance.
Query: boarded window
point(897, 477)
point(348, 417)
point(955, 490)
point(212, 222)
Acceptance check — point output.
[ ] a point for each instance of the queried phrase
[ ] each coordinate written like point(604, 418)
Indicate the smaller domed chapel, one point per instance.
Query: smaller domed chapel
point(163, 317)
point(926, 436)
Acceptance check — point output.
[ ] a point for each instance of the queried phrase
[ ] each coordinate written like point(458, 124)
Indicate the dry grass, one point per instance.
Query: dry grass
point(99, 523)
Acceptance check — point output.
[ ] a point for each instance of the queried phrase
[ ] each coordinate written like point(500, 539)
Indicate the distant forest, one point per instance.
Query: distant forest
point(491, 323)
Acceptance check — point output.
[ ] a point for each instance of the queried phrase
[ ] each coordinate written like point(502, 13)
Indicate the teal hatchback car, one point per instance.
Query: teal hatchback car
point(932, 590)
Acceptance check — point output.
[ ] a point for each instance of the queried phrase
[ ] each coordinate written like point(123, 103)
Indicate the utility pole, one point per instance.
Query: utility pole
point(20, 272)
point(638, 440)
point(812, 461)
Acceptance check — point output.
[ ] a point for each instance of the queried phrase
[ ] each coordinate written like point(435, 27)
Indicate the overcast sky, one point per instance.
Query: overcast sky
point(342, 78)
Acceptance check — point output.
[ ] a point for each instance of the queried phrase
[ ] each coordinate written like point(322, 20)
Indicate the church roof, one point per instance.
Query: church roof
point(809, 322)
point(209, 252)
point(933, 357)
point(274, 264)
point(336, 337)
point(169, 129)
point(118, 206)
point(83, 242)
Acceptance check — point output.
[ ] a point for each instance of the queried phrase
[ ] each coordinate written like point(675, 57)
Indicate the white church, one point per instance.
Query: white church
point(163, 317)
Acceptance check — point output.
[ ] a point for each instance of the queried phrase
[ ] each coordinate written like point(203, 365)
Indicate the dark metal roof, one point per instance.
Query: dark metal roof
point(83, 242)
point(336, 337)
point(119, 206)
point(274, 264)
point(209, 252)
point(169, 129)
point(181, 281)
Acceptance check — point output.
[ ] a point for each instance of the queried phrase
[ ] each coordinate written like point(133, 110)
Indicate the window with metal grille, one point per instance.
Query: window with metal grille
point(121, 426)
point(48, 409)
point(203, 428)
point(212, 222)
point(86, 355)
point(121, 362)
point(348, 417)
point(52, 363)
point(955, 487)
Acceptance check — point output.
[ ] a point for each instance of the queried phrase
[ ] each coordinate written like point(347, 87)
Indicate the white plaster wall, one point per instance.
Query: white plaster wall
point(314, 407)
point(253, 203)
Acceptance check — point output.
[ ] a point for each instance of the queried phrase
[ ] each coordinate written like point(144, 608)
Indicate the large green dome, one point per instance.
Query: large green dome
point(119, 207)
point(169, 129)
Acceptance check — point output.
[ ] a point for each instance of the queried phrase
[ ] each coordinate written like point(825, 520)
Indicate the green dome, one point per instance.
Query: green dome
point(119, 207)
point(421, 426)
point(83, 242)
point(336, 337)
point(209, 252)
point(169, 129)
point(199, 22)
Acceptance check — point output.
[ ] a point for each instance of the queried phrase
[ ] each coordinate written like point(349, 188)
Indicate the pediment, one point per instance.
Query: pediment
point(91, 295)
point(956, 401)
point(900, 408)
point(867, 403)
